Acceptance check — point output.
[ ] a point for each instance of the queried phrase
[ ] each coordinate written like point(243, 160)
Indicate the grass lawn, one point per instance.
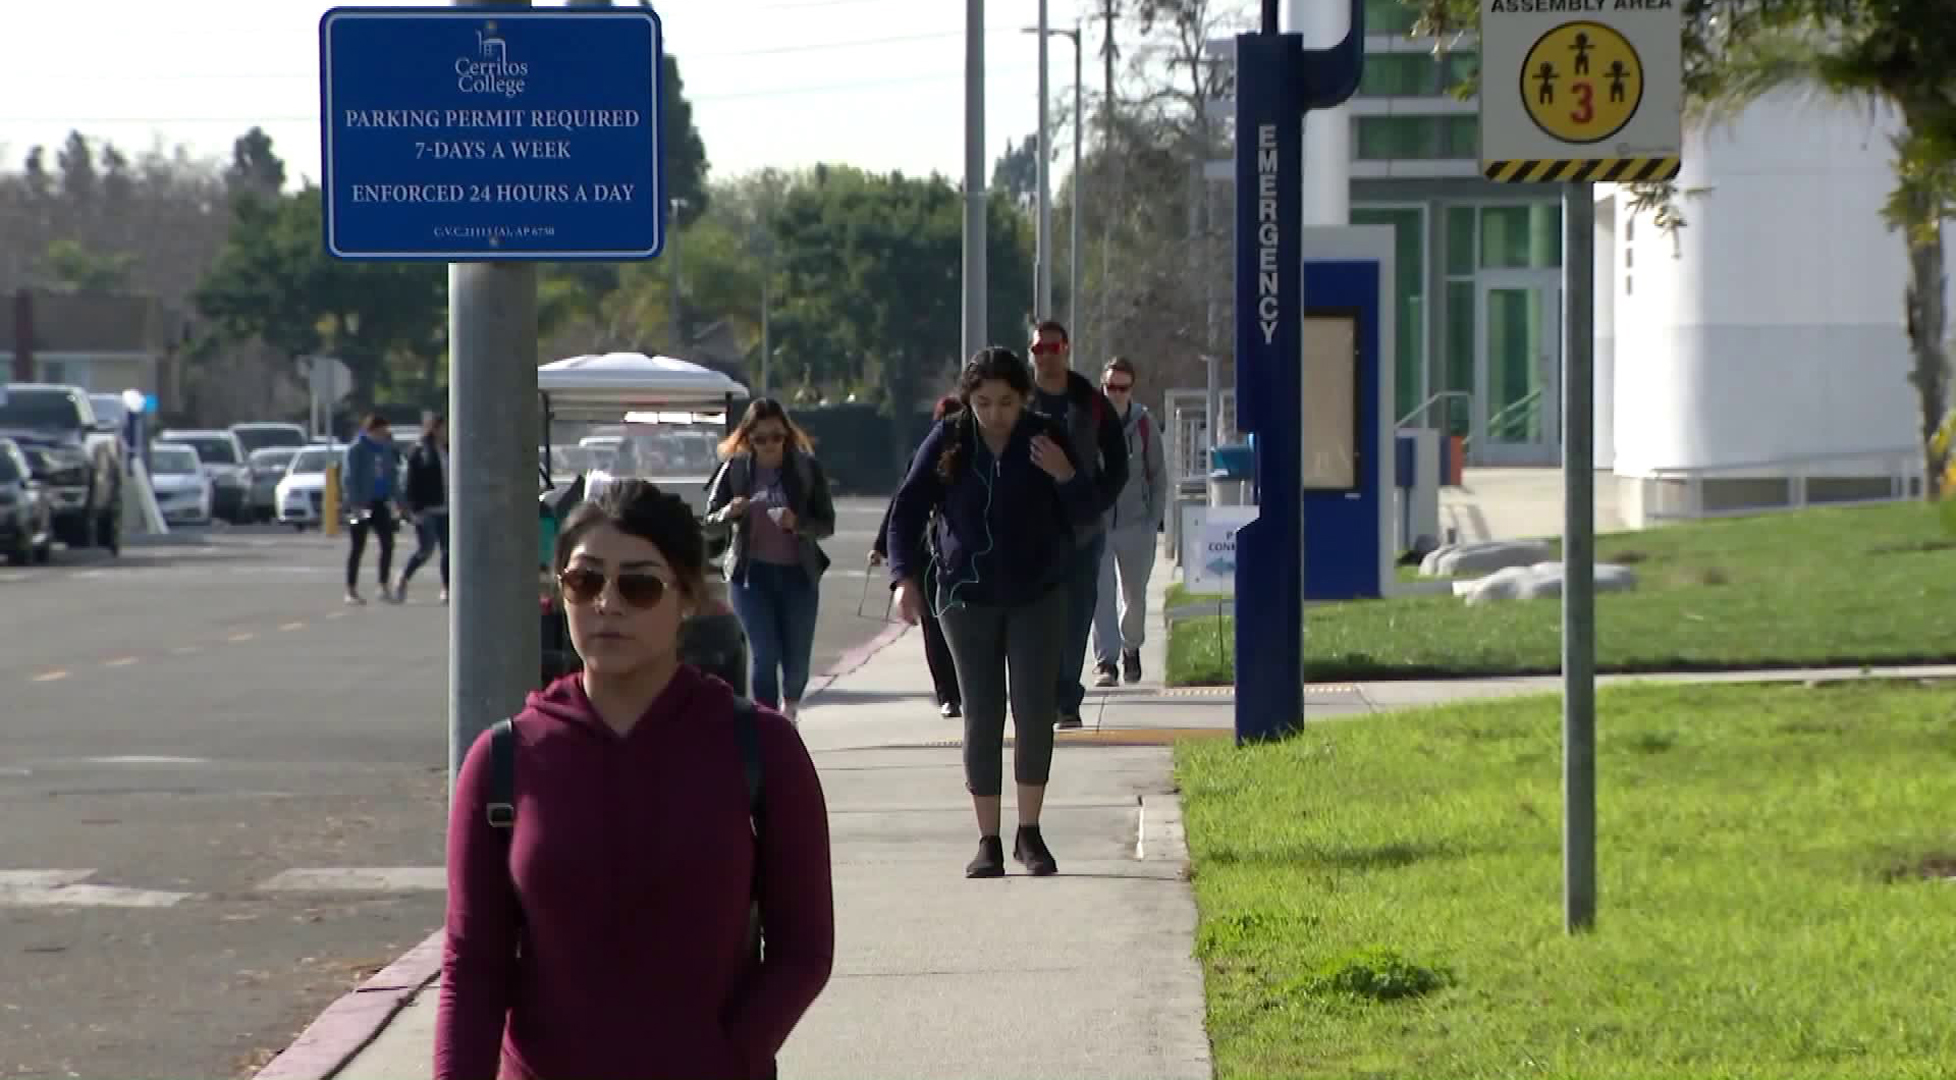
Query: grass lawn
point(1384, 898)
point(1814, 587)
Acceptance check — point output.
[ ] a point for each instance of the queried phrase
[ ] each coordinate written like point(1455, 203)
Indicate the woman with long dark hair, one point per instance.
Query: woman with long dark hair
point(606, 849)
point(1006, 490)
point(937, 652)
point(772, 495)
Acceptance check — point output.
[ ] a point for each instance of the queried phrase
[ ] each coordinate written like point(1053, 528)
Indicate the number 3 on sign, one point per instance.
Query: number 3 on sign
point(1582, 82)
point(1585, 103)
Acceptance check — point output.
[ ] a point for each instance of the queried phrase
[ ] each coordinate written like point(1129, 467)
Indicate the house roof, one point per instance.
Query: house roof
point(81, 323)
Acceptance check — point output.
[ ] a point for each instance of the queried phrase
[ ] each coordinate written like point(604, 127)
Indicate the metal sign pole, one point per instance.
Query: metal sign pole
point(1574, 99)
point(1578, 559)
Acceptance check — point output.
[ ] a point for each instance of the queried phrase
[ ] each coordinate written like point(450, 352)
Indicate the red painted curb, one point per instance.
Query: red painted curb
point(352, 1022)
point(855, 658)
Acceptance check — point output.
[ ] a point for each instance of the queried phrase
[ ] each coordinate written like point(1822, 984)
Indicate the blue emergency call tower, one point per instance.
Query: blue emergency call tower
point(1278, 81)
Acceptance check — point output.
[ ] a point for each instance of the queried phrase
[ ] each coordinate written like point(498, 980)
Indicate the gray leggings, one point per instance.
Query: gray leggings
point(988, 642)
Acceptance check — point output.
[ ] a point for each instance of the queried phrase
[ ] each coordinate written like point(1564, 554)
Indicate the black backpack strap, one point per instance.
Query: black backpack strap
point(502, 778)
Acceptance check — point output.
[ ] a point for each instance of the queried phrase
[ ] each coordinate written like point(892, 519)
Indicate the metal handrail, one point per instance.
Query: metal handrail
point(1432, 400)
point(1530, 400)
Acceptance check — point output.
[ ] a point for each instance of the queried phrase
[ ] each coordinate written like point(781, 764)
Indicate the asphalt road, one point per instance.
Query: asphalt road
point(184, 729)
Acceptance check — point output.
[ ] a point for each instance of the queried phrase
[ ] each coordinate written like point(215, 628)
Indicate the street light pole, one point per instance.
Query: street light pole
point(975, 334)
point(1079, 353)
point(1042, 275)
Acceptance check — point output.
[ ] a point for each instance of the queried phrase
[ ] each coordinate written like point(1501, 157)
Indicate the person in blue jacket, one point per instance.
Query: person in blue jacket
point(1008, 491)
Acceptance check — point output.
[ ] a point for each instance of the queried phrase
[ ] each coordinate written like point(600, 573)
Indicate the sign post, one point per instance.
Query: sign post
point(1277, 82)
point(1578, 97)
point(492, 137)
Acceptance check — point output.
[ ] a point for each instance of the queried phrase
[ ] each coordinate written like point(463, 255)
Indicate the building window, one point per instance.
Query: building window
point(1415, 138)
point(1457, 68)
point(1388, 138)
point(1399, 75)
point(1460, 355)
point(1389, 17)
point(1527, 236)
point(1409, 300)
point(1460, 241)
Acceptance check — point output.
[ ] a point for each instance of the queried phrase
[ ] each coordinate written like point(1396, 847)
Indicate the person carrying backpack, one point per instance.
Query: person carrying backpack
point(605, 869)
point(1071, 399)
point(1007, 491)
point(772, 496)
point(1121, 608)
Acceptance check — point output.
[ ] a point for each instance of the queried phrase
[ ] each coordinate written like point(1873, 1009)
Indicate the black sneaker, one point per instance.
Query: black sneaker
point(1029, 848)
point(1068, 722)
point(1131, 665)
point(990, 861)
point(950, 710)
point(1105, 675)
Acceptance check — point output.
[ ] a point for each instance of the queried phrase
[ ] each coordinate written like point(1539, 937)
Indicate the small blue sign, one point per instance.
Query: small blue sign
point(492, 134)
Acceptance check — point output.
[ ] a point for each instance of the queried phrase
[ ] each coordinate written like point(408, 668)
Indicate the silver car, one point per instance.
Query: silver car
point(267, 468)
point(184, 493)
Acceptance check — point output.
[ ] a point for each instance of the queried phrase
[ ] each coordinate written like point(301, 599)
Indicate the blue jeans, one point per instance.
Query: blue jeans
point(777, 607)
point(1082, 587)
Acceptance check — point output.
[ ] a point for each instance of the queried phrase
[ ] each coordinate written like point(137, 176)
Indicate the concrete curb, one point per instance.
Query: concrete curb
point(352, 1022)
point(854, 659)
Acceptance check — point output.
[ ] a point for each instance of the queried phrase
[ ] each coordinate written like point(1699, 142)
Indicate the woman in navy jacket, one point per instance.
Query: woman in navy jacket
point(1008, 490)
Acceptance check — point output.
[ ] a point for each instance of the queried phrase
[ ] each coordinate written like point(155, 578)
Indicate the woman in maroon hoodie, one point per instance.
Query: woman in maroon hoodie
point(605, 936)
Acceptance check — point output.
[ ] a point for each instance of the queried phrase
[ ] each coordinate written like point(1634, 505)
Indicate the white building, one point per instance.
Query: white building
point(1758, 357)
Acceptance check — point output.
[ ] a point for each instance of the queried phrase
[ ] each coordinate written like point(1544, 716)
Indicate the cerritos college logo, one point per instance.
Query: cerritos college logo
point(490, 70)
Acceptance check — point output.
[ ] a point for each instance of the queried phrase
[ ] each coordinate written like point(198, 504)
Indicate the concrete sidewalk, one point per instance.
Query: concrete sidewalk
point(1086, 974)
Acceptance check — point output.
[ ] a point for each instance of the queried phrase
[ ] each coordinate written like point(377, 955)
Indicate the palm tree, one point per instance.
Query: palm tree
point(1894, 56)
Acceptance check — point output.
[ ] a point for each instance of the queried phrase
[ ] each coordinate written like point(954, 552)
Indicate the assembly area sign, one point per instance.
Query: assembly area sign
point(491, 134)
point(1575, 90)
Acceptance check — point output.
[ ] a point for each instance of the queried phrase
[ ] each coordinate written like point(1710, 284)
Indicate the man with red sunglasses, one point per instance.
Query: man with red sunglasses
point(1094, 427)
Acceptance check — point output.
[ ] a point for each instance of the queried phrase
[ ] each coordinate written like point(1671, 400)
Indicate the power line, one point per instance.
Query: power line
point(778, 91)
point(58, 75)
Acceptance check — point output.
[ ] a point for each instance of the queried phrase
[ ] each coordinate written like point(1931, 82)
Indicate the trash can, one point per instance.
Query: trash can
point(1231, 470)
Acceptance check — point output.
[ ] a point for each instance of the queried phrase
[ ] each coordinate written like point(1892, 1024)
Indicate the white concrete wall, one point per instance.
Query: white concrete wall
point(1772, 327)
point(1603, 315)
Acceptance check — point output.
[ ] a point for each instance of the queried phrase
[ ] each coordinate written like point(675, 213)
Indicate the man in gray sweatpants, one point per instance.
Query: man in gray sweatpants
point(1121, 608)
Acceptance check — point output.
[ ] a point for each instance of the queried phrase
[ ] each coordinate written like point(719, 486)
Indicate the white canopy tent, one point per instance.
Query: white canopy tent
point(610, 385)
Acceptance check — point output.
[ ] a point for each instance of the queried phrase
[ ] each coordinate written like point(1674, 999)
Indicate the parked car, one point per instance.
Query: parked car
point(256, 437)
point(79, 463)
point(267, 467)
point(112, 413)
point(224, 463)
point(301, 495)
point(26, 521)
point(184, 493)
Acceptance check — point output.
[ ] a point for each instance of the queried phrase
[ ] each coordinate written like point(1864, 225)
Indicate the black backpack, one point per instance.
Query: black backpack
point(502, 795)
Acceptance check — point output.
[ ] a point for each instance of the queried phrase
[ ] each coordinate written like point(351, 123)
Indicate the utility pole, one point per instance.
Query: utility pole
point(1042, 275)
point(494, 636)
point(975, 334)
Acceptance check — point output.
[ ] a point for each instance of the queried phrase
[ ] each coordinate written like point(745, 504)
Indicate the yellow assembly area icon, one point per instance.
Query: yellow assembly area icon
point(1582, 82)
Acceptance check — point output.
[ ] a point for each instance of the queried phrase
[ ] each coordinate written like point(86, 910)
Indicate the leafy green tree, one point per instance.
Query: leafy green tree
point(871, 286)
point(75, 268)
point(274, 282)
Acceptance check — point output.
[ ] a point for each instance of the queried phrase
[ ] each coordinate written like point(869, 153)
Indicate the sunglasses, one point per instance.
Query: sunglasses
point(1050, 348)
point(767, 439)
point(639, 588)
point(1117, 387)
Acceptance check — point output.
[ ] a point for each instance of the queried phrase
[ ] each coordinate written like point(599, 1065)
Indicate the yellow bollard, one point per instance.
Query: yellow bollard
point(329, 502)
